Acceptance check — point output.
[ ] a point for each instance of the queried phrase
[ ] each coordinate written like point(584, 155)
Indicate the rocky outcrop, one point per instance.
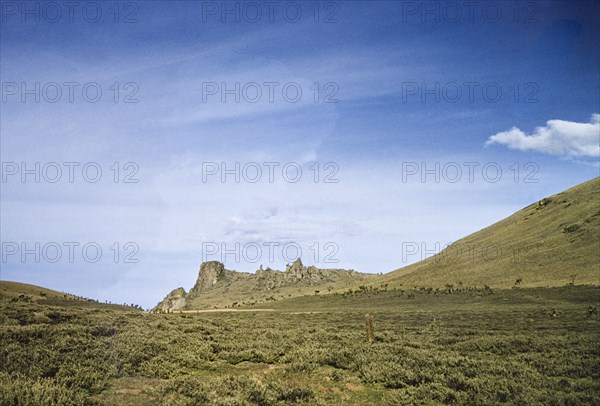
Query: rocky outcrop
point(298, 271)
point(208, 276)
point(173, 301)
point(215, 283)
point(296, 274)
point(311, 274)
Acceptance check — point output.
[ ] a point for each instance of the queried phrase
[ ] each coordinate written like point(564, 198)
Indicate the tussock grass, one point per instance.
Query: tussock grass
point(464, 347)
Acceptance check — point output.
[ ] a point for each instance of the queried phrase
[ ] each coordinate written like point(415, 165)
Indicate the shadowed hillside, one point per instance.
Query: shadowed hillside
point(551, 242)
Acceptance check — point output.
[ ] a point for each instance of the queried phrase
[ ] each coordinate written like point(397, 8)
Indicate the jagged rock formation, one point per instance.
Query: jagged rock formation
point(213, 274)
point(173, 301)
point(299, 272)
point(217, 286)
point(208, 276)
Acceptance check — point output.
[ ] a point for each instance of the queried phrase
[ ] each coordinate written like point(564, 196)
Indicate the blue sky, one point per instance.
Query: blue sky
point(503, 85)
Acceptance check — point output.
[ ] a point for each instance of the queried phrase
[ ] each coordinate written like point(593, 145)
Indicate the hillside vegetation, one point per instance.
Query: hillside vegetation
point(515, 346)
point(24, 292)
point(449, 330)
point(551, 242)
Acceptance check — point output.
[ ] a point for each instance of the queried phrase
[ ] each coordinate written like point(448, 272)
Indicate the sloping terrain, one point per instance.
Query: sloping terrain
point(552, 242)
point(24, 292)
point(10, 290)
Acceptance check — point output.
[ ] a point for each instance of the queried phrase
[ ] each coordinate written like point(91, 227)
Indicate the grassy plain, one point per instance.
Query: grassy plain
point(475, 346)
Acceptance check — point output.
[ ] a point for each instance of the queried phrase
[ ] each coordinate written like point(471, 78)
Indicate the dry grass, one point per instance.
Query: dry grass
point(545, 244)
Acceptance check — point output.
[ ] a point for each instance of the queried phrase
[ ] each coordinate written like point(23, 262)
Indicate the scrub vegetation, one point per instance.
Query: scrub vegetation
point(450, 346)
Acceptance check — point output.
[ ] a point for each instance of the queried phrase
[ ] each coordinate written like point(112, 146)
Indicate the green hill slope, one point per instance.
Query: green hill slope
point(552, 242)
point(24, 292)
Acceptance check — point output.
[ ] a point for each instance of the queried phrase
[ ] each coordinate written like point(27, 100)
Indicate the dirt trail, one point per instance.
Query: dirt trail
point(223, 310)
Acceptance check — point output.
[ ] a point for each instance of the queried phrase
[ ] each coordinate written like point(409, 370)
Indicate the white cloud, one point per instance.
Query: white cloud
point(558, 137)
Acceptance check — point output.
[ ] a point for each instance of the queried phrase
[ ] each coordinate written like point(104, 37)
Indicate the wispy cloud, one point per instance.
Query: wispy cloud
point(557, 137)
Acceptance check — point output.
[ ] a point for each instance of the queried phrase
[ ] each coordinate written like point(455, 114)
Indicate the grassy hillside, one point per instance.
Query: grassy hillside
point(23, 292)
point(552, 242)
point(10, 290)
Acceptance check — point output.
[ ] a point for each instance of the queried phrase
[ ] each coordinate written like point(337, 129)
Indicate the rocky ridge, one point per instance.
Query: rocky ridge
point(175, 300)
point(215, 281)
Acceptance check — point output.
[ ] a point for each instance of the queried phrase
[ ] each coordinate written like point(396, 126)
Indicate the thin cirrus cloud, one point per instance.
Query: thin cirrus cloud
point(558, 137)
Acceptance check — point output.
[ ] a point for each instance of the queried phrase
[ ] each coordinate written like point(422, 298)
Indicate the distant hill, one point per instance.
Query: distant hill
point(552, 242)
point(12, 290)
point(220, 287)
point(24, 292)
